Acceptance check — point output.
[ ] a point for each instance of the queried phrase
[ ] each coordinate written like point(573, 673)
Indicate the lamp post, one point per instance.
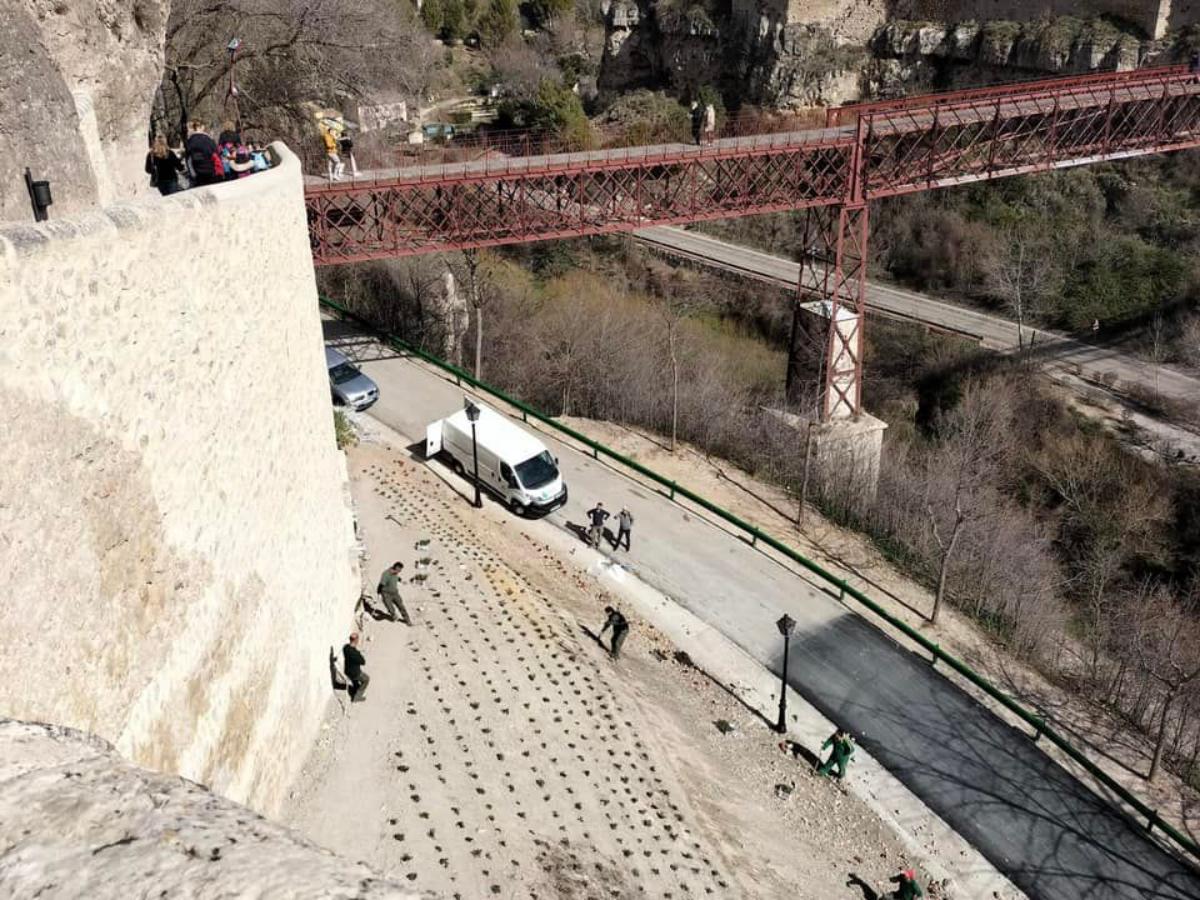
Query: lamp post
point(786, 624)
point(473, 416)
point(232, 94)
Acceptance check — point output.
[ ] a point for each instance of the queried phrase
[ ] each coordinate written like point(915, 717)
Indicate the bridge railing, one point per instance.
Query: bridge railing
point(487, 150)
point(755, 536)
point(838, 116)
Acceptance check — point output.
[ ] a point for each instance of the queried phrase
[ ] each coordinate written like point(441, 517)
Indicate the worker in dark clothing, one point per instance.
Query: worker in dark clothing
point(906, 886)
point(597, 514)
point(697, 114)
point(620, 628)
point(843, 751)
point(389, 592)
point(624, 526)
point(1194, 65)
point(354, 670)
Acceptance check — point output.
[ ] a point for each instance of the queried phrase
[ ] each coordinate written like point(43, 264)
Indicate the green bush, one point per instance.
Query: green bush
point(499, 20)
point(343, 431)
point(553, 108)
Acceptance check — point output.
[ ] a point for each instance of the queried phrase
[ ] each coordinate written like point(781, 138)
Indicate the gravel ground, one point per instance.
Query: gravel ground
point(501, 752)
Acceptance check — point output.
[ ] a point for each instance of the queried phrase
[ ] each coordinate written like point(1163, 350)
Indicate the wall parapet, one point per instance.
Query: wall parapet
point(182, 553)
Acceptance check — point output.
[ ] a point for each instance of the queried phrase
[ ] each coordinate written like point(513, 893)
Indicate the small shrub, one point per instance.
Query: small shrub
point(343, 430)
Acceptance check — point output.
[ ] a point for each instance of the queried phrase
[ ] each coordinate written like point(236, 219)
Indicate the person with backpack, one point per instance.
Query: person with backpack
point(204, 160)
point(163, 167)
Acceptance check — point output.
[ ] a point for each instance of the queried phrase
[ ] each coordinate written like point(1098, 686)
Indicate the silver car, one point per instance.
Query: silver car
point(348, 384)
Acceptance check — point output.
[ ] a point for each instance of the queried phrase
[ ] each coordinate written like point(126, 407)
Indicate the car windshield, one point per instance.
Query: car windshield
point(538, 471)
point(342, 373)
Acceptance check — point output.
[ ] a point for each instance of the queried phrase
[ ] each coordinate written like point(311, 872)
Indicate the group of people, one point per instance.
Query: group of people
point(337, 142)
point(704, 123)
point(202, 160)
point(388, 591)
point(598, 515)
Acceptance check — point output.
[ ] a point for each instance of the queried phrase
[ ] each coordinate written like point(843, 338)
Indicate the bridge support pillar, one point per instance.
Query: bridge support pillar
point(833, 274)
point(843, 448)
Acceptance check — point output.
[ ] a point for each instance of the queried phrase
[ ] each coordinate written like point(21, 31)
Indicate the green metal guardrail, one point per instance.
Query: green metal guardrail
point(757, 535)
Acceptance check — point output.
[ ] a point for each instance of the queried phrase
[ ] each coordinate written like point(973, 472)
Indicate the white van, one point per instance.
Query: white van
point(513, 464)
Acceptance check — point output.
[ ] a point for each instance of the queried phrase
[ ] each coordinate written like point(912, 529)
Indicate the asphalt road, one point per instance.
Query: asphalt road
point(1048, 833)
point(1093, 360)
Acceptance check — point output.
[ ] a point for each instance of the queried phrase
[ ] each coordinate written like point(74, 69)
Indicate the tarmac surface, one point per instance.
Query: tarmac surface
point(1050, 834)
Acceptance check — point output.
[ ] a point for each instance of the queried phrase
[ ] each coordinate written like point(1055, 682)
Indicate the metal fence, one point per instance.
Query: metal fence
point(1151, 818)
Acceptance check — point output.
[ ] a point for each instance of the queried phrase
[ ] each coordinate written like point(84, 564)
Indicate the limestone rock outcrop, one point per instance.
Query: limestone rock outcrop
point(76, 820)
point(75, 95)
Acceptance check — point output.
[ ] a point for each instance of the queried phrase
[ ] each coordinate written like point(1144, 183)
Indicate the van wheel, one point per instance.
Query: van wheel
point(456, 466)
point(517, 507)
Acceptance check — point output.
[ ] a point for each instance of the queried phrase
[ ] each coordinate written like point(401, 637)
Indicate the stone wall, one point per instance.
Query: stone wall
point(1152, 16)
point(76, 820)
point(75, 93)
point(175, 536)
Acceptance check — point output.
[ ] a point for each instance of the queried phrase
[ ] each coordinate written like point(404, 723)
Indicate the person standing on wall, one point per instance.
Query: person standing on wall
point(624, 527)
point(204, 160)
point(163, 167)
point(710, 123)
point(389, 592)
point(354, 662)
point(697, 122)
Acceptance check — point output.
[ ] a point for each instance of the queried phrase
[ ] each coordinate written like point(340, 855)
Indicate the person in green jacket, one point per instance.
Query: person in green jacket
point(906, 886)
point(843, 751)
point(389, 593)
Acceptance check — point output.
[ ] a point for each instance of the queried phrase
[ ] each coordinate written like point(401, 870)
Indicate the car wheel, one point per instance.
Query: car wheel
point(456, 466)
point(517, 507)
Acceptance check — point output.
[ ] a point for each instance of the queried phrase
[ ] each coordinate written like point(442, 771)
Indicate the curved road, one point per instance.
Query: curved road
point(1050, 834)
point(1093, 361)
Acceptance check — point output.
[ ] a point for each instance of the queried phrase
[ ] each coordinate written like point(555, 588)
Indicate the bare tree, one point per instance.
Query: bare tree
point(292, 53)
point(674, 305)
point(477, 275)
point(972, 440)
point(1021, 275)
point(1164, 635)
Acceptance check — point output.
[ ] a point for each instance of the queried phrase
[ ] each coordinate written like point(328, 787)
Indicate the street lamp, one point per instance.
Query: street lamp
point(786, 624)
point(473, 416)
point(232, 94)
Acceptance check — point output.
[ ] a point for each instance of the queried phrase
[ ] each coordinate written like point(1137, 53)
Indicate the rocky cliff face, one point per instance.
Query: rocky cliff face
point(75, 92)
point(911, 55)
point(779, 53)
point(76, 820)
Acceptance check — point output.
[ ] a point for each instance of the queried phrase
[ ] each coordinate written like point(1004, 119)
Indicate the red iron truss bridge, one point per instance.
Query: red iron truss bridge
point(504, 188)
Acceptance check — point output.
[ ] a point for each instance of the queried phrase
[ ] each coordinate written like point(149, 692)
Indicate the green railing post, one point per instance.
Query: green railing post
point(672, 490)
point(935, 655)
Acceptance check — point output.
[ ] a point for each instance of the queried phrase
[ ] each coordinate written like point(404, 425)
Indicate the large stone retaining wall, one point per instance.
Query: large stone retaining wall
point(175, 535)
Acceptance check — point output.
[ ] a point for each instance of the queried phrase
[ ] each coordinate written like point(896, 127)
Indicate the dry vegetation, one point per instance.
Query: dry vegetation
point(1073, 554)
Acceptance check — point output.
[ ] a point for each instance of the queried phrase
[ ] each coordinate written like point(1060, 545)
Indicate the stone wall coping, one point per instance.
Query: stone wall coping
point(18, 240)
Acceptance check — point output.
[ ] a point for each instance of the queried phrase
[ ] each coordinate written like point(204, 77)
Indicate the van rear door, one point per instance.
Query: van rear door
point(433, 439)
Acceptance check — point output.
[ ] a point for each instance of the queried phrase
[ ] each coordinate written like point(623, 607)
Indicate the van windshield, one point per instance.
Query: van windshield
point(342, 373)
point(538, 471)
